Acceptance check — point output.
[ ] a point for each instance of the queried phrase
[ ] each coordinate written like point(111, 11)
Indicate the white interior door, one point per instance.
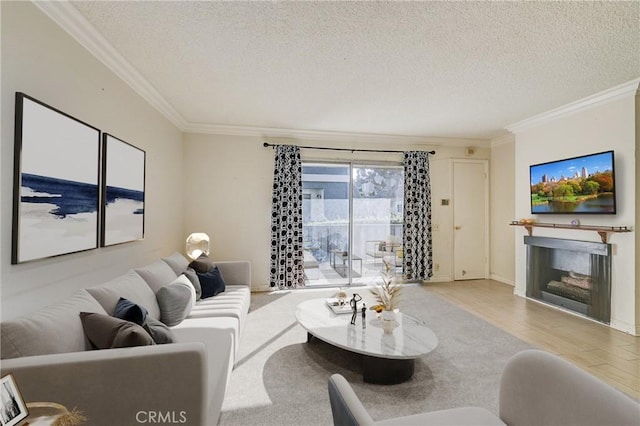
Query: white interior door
point(470, 219)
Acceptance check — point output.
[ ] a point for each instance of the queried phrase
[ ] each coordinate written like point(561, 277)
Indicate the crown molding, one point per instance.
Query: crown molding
point(503, 140)
point(69, 19)
point(274, 132)
point(629, 88)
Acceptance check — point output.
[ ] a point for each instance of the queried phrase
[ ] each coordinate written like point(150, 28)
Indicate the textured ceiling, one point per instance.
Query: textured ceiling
point(436, 69)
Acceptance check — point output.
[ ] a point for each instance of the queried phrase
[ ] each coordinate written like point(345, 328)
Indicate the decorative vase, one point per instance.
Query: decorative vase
point(388, 315)
point(388, 320)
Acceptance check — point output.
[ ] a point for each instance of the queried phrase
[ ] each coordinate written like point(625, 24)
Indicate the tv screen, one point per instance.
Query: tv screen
point(584, 185)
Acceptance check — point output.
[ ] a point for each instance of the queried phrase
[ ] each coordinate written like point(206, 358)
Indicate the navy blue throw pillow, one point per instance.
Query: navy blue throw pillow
point(129, 311)
point(211, 282)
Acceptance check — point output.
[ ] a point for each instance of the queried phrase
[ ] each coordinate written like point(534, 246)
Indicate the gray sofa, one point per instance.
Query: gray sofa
point(536, 388)
point(185, 381)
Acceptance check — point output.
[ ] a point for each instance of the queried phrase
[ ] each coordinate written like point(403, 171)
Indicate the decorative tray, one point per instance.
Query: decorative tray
point(337, 308)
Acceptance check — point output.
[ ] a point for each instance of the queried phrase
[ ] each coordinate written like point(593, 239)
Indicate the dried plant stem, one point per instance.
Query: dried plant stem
point(387, 293)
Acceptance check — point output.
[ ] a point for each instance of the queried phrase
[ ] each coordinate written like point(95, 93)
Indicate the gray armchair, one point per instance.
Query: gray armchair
point(537, 388)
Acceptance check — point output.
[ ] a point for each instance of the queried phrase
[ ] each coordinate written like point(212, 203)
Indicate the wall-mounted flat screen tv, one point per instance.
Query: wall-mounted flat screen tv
point(579, 185)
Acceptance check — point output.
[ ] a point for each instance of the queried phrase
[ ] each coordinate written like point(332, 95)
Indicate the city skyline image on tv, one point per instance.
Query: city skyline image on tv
point(583, 184)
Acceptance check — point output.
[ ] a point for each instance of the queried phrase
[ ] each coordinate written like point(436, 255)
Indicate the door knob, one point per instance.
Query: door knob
point(458, 228)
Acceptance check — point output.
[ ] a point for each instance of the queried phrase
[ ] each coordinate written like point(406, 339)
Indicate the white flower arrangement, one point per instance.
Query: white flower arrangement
point(386, 294)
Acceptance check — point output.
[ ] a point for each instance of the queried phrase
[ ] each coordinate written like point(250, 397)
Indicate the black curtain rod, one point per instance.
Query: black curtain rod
point(344, 149)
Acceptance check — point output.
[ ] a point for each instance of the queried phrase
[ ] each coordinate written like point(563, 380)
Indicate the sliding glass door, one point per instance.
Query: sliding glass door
point(352, 221)
point(326, 225)
point(378, 201)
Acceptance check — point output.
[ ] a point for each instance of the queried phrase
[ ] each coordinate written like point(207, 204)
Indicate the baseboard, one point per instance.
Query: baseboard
point(440, 279)
point(624, 326)
point(503, 280)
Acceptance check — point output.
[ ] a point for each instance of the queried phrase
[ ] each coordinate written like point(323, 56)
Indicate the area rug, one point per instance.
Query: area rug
point(280, 379)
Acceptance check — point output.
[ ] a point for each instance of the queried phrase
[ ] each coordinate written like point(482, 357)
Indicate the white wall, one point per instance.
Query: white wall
point(605, 126)
point(228, 193)
point(502, 209)
point(637, 196)
point(40, 59)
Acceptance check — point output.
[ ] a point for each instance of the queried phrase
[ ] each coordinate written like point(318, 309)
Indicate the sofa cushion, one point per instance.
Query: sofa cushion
point(177, 262)
point(202, 264)
point(130, 286)
point(106, 332)
point(236, 272)
point(54, 329)
point(129, 311)
point(192, 275)
point(212, 282)
point(157, 275)
point(176, 301)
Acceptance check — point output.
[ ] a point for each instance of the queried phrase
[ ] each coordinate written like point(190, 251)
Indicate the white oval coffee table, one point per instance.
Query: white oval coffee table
point(387, 358)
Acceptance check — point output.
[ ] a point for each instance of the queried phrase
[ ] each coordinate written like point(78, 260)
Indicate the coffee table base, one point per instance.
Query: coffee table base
point(385, 371)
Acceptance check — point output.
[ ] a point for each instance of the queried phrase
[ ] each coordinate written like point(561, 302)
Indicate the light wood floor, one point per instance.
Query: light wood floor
point(609, 354)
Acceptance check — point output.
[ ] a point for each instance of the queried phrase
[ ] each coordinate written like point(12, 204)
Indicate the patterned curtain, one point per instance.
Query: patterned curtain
point(417, 263)
point(287, 265)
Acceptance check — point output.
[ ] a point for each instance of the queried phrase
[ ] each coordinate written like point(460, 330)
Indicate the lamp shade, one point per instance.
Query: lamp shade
point(197, 244)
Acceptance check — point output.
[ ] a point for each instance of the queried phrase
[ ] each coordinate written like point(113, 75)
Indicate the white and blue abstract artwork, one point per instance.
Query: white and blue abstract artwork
point(56, 190)
point(123, 191)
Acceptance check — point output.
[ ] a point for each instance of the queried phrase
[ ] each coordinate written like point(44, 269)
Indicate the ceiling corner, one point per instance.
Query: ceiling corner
point(630, 88)
point(69, 19)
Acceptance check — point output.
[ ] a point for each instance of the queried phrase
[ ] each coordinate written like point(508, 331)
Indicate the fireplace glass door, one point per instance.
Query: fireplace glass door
point(574, 275)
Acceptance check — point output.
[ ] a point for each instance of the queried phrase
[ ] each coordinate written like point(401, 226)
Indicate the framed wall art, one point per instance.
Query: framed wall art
point(55, 189)
point(12, 407)
point(123, 183)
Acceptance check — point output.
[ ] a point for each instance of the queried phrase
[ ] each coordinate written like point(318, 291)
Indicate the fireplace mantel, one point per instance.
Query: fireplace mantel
point(603, 231)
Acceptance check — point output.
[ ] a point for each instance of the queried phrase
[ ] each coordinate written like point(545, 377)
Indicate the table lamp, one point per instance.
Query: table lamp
point(197, 244)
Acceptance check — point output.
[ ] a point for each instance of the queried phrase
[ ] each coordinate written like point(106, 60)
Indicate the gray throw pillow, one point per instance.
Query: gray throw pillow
point(105, 332)
point(137, 314)
point(176, 301)
point(192, 275)
point(159, 332)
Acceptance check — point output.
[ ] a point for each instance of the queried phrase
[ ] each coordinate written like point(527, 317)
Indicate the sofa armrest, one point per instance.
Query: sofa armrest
point(543, 389)
point(218, 337)
point(237, 272)
point(346, 407)
point(120, 386)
